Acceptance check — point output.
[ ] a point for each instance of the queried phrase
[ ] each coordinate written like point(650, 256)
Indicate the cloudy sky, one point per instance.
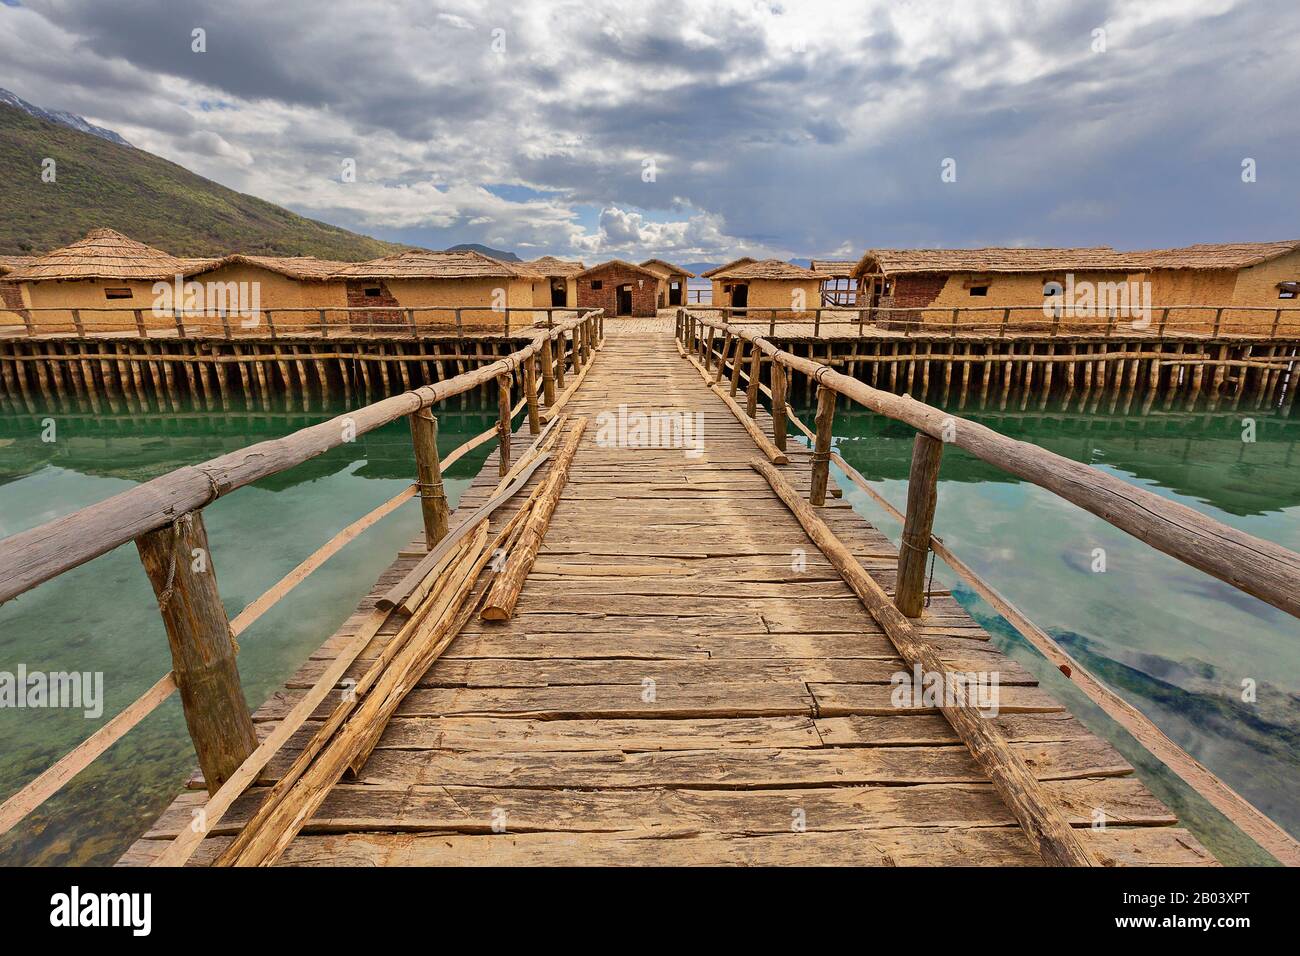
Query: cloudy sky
point(705, 129)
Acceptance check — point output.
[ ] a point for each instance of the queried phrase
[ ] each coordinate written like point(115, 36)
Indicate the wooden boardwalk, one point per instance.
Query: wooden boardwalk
point(687, 680)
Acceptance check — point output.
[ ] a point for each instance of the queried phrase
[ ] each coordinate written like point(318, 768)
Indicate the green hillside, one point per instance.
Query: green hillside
point(102, 184)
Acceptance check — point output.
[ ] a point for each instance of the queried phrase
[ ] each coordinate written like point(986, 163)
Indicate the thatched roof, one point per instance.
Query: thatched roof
point(107, 254)
point(833, 268)
point(1095, 258)
point(552, 267)
point(665, 269)
point(767, 269)
point(1092, 259)
point(10, 263)
point(422, 264)
point(306, 268)
point(1225, 255)
point(621, 264)
point(723, 268)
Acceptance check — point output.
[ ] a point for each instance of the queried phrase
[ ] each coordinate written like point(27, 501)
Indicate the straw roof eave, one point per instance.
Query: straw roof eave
point(422, 264)
point(303, 268)
point(769, 269)
point(553, 268)
point(666, 268)
point(1207, 256)
point(717, 270)
point(107, 254)
point(618, 263)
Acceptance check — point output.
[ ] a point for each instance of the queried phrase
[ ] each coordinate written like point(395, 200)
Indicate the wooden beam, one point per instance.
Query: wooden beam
point(179, 564)
point(922, 497)
point(428, 470)
point(1039, 814)
point(821, 459)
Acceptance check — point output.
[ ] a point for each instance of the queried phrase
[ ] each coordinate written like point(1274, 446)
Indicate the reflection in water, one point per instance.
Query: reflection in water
point(1183, 647)
point(103, 616)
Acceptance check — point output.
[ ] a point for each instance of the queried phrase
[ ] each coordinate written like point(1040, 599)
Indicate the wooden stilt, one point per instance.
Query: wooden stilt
point(179, 564)
point(428, 470)
point(821, 458)
point(503, 422)
point(922, 498)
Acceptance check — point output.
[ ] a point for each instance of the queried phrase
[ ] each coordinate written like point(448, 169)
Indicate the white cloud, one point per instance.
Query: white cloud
point(786, 129)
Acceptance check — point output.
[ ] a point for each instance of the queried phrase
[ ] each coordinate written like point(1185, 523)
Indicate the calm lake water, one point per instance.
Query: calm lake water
point(103, 615)
point(1171, 640)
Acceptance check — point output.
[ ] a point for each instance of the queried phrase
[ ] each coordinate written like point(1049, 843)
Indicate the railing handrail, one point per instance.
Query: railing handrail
point(38, 554)
point(1037, 306)
point(314, 310)
point(1260, 568)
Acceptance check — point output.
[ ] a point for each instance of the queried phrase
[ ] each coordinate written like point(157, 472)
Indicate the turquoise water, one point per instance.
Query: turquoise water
point(103, 615)
point(1178, 644)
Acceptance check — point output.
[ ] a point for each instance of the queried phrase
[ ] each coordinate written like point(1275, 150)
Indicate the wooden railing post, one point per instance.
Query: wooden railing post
point(778, 404)
point(577, 350)
point(821, 458)
point(561, 357)
point(735, 365)
point(922, 497)
point(722, 359)
point(428, 470)
point(530, 394)
point(755, 376)
point(548, 373)
point(503, 422)
point(179, 565)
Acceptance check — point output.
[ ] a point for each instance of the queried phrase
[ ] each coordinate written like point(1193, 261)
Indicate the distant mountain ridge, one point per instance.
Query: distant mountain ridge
point(100, 182)
point(62, 117)
point(498, 254)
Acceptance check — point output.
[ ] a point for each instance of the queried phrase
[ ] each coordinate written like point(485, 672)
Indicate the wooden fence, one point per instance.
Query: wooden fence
point(1250, 564)
point(164, 517)
point(1215, 321)
point(388, 321)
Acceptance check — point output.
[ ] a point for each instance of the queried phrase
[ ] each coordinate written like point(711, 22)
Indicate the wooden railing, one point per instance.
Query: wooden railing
point(272, 323)
point(1001, 321)
point(164, 517)
point(1260, 568)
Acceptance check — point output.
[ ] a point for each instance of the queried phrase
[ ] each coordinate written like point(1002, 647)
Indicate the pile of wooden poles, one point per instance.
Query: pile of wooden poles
point(431, 605)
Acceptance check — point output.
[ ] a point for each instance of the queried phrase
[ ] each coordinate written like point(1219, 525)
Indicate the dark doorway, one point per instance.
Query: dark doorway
point(623, 306)
point(674, 293)
point(558, 295)
point(739, 296)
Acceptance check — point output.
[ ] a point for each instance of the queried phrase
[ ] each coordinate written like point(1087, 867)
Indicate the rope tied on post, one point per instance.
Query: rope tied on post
point(181, 522)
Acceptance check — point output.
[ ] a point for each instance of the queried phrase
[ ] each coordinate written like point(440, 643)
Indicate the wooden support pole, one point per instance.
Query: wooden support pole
point(735, 365)
point(548, 373)
point(779, 378)
point(922, 498)
point(755, 375)
point(428, 470)
point(1039, 813)
point(504, 415)
point(821, 459)
point(179, 564)
point(530, 395)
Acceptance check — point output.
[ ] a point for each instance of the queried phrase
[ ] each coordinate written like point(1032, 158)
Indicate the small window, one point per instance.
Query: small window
point(117, 293)
point(979, 290)
point(372, 293)
point(597, 284)
point(1287, 290)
